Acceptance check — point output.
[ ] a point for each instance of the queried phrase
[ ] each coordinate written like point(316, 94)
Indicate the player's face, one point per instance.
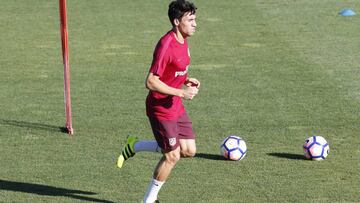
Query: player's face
point(187, 24)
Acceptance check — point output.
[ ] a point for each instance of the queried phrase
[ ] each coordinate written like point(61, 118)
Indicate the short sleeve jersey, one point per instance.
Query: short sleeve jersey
point(171, 60)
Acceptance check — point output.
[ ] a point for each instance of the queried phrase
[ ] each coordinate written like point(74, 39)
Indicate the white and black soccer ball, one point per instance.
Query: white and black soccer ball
point(316, 148)
point(233, 148)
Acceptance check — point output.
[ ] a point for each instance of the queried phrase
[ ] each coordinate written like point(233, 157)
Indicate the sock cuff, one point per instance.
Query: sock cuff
point(157, 182)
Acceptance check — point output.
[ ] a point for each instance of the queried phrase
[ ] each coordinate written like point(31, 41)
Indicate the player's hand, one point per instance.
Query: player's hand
point(190, 92)
point(192, 82)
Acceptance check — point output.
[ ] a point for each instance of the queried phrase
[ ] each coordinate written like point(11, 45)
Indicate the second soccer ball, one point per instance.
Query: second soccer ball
point(316, 148)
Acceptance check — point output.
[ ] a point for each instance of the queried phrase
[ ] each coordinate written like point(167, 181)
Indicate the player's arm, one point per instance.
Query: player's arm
point(154, 83)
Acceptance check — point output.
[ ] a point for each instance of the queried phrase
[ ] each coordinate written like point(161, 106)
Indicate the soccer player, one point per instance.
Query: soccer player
point(169, 121)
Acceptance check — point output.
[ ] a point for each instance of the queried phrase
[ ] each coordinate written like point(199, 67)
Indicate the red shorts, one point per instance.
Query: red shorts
point(168, 132)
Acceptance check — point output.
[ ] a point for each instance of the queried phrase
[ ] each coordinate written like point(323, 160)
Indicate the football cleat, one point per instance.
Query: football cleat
point(128, 151)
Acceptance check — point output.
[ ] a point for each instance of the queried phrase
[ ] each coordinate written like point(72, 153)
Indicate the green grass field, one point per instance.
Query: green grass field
point(271, 72)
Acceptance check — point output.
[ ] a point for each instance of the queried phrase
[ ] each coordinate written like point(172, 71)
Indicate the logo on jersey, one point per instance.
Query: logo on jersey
point(172, 141)
point(181, 73)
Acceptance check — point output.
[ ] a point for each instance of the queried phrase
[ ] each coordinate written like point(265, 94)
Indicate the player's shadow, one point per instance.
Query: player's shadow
point(210, 156)
point(37, 126)
point(287, 155)
point(48, 190)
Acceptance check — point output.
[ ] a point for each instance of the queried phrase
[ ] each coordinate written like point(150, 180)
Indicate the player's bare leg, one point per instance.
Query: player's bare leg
point(187, 147)
point(161, 173)
point(166, 164)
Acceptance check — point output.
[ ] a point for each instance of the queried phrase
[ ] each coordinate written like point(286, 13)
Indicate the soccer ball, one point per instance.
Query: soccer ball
point(233, 148)
point(316, 148)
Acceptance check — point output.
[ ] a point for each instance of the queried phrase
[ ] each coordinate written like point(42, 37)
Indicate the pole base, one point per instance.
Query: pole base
point(69, 130)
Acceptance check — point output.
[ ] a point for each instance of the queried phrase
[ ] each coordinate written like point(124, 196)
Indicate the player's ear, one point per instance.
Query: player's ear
point(176, 22)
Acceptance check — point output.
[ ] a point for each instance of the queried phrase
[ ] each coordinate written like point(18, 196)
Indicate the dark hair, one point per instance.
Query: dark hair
point(178, 8)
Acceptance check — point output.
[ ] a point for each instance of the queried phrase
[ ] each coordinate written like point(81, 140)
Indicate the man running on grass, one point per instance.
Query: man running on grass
point(169, 121)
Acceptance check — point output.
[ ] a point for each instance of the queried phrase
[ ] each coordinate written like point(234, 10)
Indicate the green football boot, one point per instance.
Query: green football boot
point(128, 151)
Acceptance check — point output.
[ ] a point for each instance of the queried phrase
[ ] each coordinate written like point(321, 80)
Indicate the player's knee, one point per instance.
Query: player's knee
point(189, 152)
point(192, 152)
point(173, 157)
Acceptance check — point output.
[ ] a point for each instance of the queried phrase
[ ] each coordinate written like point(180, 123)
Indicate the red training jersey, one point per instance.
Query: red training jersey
point(170, 62)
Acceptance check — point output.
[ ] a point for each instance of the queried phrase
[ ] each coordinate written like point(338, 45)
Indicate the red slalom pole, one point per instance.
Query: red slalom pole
point(65, 52)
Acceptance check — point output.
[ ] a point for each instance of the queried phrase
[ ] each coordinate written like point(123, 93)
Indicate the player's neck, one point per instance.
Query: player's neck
point(179, 36)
